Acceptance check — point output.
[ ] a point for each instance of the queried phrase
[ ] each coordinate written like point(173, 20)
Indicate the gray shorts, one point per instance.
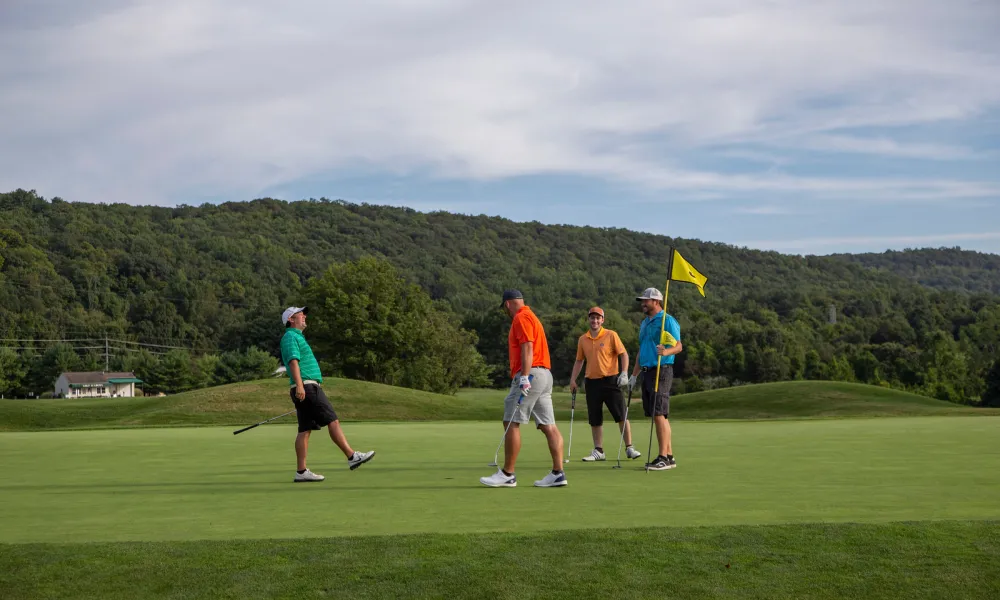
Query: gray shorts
point(537, 404)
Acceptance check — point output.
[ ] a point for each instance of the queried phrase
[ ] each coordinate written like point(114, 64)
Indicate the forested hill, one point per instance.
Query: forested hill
point(217, 276)
point(942, 268)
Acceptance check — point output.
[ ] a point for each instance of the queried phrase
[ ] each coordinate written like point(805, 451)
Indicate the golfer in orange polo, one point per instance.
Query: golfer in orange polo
point(530, 394)
point(607, 373)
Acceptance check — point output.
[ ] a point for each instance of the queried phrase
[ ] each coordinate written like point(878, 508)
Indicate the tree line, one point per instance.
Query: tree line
point(411, 298)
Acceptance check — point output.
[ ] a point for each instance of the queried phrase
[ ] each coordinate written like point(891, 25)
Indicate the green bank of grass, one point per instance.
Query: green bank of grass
point(246, 403)
point(900, 560)
point(205, 483)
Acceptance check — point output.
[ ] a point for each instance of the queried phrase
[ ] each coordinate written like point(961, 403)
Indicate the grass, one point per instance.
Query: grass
point(205, 483)
point(771, 499)
point(247, 403)
point(902, 560)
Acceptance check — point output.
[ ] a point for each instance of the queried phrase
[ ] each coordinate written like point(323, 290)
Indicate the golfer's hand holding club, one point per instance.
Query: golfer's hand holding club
point(631, 382)
point(525, 384)
point(623, 379)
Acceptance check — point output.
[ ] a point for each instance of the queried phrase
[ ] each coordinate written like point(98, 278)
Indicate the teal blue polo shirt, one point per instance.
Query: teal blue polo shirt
point(649, 338)
point(295, 347)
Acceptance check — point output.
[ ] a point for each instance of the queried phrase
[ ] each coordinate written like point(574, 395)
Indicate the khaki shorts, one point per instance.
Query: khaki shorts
point(537, 403)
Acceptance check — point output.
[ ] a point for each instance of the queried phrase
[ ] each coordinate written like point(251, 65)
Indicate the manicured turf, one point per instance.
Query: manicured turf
point(791, 506)
point(930, 561)
point(246, 403)
point(205, 483)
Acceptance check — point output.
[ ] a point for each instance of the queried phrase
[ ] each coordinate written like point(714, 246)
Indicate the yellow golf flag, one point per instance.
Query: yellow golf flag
point(667, 340)
point(683, 271)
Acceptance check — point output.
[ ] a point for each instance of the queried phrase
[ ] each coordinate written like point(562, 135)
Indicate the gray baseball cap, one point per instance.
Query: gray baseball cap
point(650, 294)
point(511, 295)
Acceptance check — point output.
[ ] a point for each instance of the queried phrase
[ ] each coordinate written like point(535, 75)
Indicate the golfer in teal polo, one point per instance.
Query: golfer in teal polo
point(312, 407)
point(656, 354)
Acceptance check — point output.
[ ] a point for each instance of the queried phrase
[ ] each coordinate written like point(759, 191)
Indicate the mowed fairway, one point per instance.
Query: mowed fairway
point(206, 484)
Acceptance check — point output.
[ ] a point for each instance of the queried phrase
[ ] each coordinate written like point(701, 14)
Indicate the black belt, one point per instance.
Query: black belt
point(644, 369)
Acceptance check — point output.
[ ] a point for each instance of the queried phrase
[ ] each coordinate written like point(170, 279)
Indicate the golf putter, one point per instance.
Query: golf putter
point(262, 422)
point(572, 413)
point(621, 440)
point(496, 455)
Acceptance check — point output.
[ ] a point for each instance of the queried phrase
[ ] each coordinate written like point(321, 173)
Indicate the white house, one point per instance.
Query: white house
point(96, 384)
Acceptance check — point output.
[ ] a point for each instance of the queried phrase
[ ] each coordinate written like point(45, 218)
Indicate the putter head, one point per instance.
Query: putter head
point(492, 464)
point(566, 461)
point(616, 466)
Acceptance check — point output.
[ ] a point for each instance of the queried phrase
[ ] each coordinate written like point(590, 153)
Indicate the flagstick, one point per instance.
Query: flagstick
point(659, 359)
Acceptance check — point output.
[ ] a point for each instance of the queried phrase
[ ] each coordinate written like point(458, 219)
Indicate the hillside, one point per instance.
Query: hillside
point(941, 268)
point(214, 278)
point(247, 403)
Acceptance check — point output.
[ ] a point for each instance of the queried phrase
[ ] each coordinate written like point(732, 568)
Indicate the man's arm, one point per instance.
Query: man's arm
point(527, 355)
point(670, 350)
point(623, 359)
point(576, 373)
point(674, 331)
point(293, 368)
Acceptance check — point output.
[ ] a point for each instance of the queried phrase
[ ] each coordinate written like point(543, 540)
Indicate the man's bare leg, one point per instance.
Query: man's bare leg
point(511, 446)
point(337, 435)
point(663, 435)
point(301, 449)
point(627, 428)
point(598, 434)
point(555, 440)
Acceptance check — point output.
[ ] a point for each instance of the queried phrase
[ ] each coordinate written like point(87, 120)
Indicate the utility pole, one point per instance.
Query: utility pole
point(107, 356)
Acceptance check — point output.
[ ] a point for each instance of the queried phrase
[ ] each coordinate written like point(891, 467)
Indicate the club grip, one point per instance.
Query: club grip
point(573, 401)
point(245, 428)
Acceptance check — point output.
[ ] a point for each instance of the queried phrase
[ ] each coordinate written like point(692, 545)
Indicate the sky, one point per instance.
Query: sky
point(806, 127)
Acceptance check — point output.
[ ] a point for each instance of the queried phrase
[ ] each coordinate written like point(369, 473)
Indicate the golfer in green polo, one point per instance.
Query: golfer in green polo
point(312, 407)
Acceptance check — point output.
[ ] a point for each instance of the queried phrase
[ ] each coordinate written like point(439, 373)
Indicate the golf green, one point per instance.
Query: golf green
point(205, 483)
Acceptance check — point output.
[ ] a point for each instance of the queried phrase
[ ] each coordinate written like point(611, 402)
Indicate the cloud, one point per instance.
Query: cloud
point(840, 243)
point(161, 101)
point(763, 210)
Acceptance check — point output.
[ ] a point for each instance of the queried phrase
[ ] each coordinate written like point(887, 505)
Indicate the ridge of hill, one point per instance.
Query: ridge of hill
point(939, 268)
point(250, 402)
point(214, 278)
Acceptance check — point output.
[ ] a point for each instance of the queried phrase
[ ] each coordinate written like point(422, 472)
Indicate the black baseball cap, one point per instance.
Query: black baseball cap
point(511, 295)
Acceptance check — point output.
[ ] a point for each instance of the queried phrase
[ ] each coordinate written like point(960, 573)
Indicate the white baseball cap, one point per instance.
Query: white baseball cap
point(650, 294)
point(291, 310)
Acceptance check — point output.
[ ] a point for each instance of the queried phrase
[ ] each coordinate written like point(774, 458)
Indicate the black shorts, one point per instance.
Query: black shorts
point(662, 396)
point(604, 392)
point(315, 412)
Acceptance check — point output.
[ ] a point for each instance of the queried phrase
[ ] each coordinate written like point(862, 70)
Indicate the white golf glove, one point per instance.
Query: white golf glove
point(622, 379)
point(525, 384)
point(631, 382)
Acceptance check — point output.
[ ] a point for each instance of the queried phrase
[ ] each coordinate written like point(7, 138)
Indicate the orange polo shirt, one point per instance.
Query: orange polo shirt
point(601, 353)
point(527, 328)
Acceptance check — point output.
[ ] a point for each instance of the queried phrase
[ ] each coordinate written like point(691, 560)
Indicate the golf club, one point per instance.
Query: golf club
point(262, 422)
point(572, 412)
point(496, 455)
point(621, 440)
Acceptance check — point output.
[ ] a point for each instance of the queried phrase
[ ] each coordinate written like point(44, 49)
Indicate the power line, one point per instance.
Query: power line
point(94, 340)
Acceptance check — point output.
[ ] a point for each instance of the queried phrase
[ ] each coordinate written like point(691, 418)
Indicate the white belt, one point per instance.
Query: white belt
point(307, 382)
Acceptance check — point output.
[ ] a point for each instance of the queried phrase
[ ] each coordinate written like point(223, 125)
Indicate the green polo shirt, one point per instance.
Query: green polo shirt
point(295, 347)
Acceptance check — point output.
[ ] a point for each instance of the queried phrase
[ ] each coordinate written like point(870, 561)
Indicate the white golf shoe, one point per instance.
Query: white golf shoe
point(359, 459)
point(498, 479)
point(594, 456)
point(551, 480)
point(307, 475)
point(632, 453)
